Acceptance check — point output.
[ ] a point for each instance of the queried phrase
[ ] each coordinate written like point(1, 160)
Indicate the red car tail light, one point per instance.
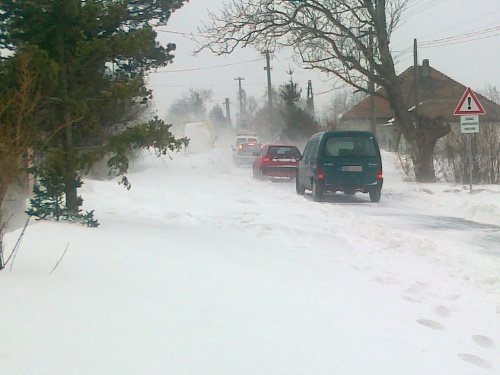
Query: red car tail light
point(379, 174)
point(320, 173)
point(266, 159)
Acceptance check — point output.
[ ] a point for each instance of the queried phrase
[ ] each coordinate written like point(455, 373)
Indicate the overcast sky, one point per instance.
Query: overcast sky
point(460, 38)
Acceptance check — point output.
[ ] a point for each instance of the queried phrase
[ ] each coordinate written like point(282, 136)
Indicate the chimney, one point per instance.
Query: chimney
point(426, 69)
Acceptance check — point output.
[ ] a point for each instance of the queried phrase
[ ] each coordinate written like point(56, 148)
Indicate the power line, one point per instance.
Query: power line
point(459, 41)
point(463, 38)
point(173, 32)
point(416, 8)
point(205, 68)
point(486, 33)
point(208, 85)
point(463, 23)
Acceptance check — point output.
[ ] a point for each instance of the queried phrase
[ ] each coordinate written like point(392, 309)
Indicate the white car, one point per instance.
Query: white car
point(241, 138)
point(246, 153)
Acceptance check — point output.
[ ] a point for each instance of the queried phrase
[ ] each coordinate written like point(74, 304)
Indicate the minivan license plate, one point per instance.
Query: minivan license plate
point(352, 168)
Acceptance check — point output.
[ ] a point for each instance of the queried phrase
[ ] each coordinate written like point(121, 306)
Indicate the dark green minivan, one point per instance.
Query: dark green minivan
point(347, 161)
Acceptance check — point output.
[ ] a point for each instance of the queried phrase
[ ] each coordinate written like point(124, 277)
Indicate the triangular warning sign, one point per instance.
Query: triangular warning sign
point(469, 105)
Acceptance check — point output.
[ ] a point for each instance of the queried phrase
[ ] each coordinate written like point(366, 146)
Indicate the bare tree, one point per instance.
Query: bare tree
point(346, 38)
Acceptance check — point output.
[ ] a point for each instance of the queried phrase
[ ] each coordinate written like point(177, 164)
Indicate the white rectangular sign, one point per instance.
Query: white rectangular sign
point(469, 124)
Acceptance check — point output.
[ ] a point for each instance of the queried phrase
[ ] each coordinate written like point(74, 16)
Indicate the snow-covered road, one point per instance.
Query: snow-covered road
point(200, 269)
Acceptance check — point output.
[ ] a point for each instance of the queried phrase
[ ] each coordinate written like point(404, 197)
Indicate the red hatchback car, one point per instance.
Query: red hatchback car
point(276, 161)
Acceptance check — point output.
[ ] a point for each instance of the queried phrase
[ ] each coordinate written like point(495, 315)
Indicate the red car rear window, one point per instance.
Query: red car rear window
point(284, 151)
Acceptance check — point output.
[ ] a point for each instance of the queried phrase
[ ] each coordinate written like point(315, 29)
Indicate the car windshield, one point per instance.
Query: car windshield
point(284, 151)
point(350, 147)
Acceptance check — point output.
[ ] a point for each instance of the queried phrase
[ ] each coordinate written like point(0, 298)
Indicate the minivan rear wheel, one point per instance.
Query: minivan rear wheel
point(317, 191)
point(375, 194)
point(298, 187)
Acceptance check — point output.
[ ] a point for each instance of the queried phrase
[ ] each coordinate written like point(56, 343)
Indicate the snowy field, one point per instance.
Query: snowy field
point(199, 269)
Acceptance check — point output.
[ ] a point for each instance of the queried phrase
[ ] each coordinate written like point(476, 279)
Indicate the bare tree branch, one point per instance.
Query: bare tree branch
point(349, 39)
point(331, 36)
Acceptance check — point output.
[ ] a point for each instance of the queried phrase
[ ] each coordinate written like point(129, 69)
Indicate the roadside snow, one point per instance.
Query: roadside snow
point(200, 269)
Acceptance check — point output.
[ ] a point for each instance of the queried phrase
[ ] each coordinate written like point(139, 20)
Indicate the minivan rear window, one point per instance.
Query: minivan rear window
point(350, 147)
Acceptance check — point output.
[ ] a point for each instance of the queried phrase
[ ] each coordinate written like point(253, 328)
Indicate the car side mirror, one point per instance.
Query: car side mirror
point(233, 148)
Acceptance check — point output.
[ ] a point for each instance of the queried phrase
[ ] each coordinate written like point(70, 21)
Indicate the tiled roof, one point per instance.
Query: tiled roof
point(438, 96)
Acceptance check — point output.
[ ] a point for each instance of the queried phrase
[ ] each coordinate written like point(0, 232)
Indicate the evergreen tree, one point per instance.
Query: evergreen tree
point(48, 201)
point(299, 124)
point(103, 50)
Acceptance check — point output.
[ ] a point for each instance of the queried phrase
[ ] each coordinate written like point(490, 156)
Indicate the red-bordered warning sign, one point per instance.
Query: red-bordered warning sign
point(469, 104)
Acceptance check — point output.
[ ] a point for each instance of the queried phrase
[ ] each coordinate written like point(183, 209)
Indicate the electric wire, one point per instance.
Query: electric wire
point(204, 68)
point(173, 32)
point(463, 38)
point(414, 8)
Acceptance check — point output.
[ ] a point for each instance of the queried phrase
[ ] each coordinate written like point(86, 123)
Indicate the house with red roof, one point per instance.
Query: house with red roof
point(438, 96)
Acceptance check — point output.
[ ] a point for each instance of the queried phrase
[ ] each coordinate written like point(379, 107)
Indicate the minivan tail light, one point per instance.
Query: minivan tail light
point(379, 174)
point(320, 173)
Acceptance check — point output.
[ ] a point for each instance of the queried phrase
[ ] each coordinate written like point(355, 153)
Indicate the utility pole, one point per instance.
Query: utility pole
point(373, 126)
point(310, 98)
point(240, 95)
point(269, 86)
point(228, 113)
point(415, 76)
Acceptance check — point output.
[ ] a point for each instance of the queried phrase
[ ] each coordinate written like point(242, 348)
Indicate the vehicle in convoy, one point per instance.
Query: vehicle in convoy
point(244, 137)
point(245, 153)
point(347, 161)
point(276, 160)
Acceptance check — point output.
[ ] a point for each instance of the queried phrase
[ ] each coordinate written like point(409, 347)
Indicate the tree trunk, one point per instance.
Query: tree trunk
point(423, 160)
point(424, 135)
point(70, 174)
point(67, 137)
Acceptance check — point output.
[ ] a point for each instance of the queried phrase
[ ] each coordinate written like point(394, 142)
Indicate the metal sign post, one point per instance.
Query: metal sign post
point(469, 108)
point(468, 138)
point(469, 125)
